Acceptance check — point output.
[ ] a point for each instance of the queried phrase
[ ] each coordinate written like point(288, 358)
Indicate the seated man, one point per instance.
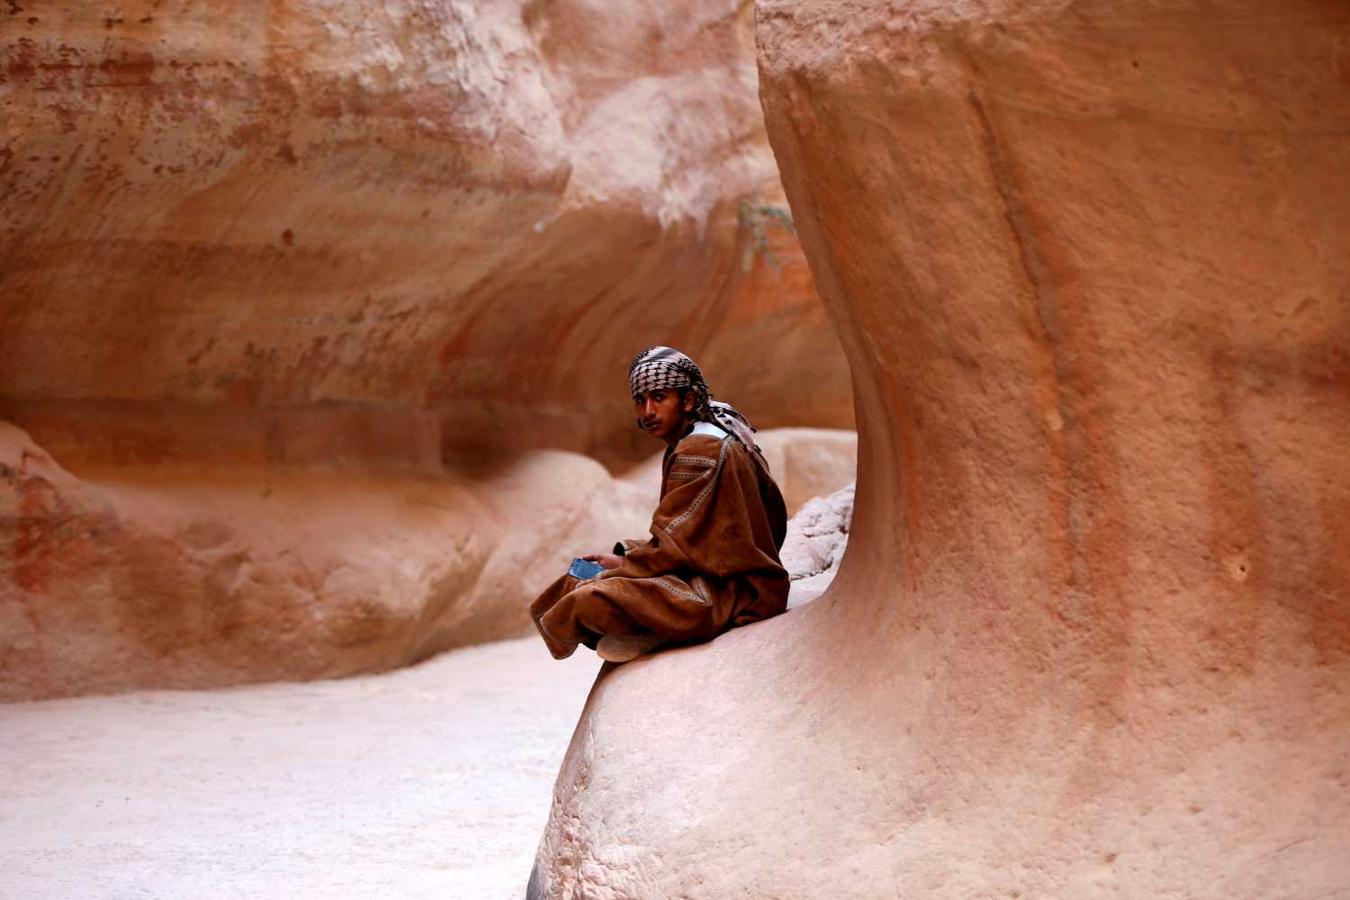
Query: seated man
point(712, 560)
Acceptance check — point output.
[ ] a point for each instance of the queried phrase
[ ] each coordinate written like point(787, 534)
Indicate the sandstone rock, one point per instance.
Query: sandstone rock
point(816, 539)
point(387, 232)
point(1092, 634)
point(810, 462)
point(265, 269)
point(192, 577)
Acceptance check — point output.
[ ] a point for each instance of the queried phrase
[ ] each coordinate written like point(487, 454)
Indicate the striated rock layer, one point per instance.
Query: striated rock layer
point(286, 287)
point(1092, 633)
point(189, 576)
point(387, 231)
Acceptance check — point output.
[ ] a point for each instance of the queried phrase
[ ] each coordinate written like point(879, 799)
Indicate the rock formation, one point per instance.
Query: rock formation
point(287, 289)
point(190, 576)
point(816, 540)
point(387, 231)
point(1092, 633)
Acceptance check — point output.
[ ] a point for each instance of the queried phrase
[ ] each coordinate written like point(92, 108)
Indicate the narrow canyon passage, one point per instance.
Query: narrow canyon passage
point(431, 781)
point(313, 323)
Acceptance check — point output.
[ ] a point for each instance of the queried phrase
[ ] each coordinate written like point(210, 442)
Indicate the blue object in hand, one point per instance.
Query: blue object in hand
point(584, 569)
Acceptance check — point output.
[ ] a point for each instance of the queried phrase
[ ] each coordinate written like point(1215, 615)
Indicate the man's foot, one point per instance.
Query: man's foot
point(614, 648)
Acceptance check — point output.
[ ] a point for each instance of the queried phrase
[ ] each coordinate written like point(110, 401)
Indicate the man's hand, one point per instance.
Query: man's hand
point(608, 560)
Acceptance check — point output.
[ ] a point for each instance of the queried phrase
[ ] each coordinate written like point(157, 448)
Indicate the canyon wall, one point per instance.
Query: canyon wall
point(1091, 636)
point(188, 576)
point(396, 232)
point(308, 308)
point(197, 575)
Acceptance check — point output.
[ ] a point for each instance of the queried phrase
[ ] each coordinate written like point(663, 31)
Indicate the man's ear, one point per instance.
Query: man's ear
point(689, 401)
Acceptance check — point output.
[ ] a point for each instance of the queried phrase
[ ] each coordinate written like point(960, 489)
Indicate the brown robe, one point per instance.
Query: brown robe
point(711, 564)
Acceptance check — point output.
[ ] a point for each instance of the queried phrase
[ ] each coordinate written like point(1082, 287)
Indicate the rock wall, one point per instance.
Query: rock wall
point(192, 575)
point(188, 576)
point(1091, 636)
point(388, 232)
point(301, 303)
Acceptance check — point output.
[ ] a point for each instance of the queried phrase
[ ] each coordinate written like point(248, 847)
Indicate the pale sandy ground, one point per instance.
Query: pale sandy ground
point(433, 781)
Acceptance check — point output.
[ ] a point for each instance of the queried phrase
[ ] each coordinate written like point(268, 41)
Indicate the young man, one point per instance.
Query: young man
point(712, 560)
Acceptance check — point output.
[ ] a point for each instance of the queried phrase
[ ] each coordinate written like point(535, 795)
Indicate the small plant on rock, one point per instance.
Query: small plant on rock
point(757, 218)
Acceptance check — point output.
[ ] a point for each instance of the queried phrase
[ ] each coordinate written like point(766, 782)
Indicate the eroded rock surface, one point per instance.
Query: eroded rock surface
point(388, 231)
point(816, 540)
point(1092, 634)
point(160, 577)
point(289, 287)
point(192, 576)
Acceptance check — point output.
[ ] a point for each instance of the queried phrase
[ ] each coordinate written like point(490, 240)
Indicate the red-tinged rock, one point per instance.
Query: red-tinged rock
point(1091, 636)
point(263, 266)
point(389, 232)
point(192, 576)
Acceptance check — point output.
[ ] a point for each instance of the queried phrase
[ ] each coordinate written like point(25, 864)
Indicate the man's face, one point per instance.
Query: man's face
point(662, 412)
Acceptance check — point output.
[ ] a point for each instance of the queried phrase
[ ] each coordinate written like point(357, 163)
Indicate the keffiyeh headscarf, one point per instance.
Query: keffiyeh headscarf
point(658, 368)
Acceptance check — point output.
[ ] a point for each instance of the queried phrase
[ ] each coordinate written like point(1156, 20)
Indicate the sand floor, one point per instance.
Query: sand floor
point(433, 781)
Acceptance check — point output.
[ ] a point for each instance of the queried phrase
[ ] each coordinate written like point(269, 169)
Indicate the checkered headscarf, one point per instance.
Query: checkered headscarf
point(665, 367)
